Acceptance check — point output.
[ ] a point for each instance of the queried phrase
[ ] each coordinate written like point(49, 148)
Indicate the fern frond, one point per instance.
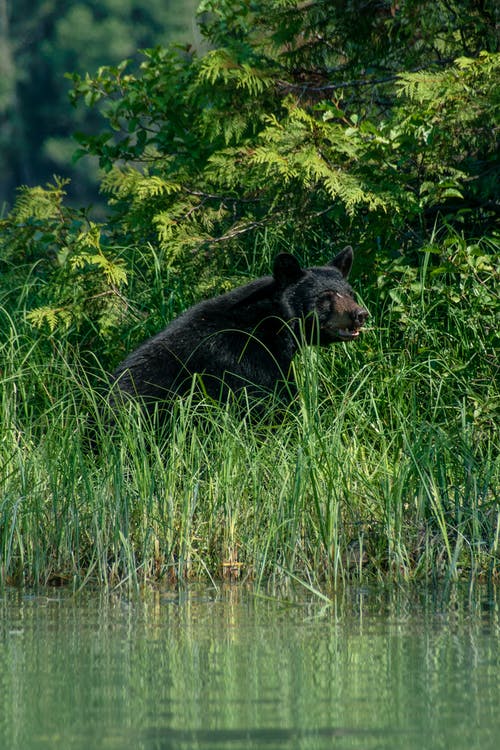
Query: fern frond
point(53, 317)
point(38, 202)
point(218, 65)
point(153, 187)
point(114, 271)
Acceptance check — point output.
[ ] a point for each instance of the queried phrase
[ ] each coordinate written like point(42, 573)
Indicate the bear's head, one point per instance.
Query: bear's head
point(320, 298)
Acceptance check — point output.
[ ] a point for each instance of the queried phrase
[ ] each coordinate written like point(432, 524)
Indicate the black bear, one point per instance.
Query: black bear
point(244, 340)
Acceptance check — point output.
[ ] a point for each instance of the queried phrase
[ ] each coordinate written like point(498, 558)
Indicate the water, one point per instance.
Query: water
point(227, 669)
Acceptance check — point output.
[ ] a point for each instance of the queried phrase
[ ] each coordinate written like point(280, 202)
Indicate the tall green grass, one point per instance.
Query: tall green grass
point(385, 468)
point(357, 482)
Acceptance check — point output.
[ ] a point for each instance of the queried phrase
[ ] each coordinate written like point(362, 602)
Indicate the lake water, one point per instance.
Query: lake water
point(226, 668)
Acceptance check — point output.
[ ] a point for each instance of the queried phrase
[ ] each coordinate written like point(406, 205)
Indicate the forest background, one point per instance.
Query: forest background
point(42, 41)
point(278, 125)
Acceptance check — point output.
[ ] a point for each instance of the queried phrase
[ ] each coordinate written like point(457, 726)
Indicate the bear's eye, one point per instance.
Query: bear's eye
point(345, 293)
point(331, 297)
point(325, 299)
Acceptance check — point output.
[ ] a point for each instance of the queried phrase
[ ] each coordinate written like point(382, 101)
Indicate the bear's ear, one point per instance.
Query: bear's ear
point(343, 261)
point(286, 269)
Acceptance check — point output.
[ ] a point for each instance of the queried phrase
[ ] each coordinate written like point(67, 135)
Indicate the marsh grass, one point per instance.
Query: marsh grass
point(385, 468)
point(357, 482)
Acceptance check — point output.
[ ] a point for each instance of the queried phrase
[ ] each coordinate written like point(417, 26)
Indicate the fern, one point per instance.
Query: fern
point(52, 317)
point(154, 187)
point(38, 202)
point(114, 272)
point(220, 66)
point(421, 86)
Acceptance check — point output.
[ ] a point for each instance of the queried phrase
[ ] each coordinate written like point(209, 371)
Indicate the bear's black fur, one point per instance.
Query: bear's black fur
point(244, 340)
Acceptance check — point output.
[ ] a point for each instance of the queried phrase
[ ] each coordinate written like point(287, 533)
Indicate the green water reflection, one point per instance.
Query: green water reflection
point(227, 669)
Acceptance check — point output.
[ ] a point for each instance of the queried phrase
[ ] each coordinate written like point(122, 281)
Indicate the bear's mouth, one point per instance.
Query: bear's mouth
point(347, 333)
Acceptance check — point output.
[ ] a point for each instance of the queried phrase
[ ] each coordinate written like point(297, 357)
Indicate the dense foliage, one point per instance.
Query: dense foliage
point(300, 124)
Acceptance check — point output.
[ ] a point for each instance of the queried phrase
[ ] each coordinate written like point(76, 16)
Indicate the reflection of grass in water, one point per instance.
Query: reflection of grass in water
point(200, 667)
point(384, 468)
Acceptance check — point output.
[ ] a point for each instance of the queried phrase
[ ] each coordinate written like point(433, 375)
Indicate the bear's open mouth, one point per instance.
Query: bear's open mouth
point(348, 333)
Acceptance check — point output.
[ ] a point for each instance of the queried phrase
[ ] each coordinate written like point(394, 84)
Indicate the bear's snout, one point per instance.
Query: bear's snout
point(359, 316)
